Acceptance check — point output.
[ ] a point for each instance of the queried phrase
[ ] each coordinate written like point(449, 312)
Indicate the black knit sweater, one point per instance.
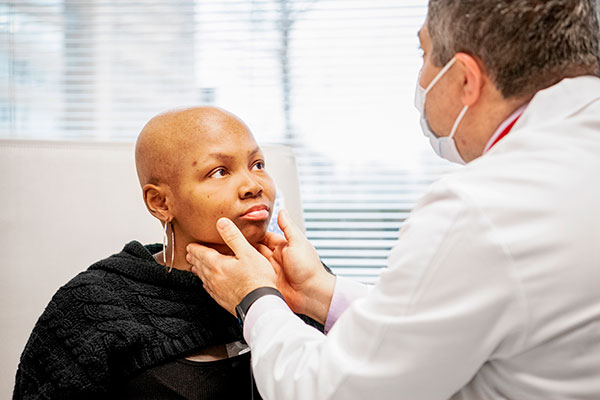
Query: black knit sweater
point(124, 314)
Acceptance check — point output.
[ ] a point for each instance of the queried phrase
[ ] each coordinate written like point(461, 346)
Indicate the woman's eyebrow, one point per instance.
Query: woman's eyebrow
point(254, 152)
point(221, 156)
point(226, 157)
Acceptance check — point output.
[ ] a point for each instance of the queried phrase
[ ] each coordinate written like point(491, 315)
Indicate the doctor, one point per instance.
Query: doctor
point(493, 288)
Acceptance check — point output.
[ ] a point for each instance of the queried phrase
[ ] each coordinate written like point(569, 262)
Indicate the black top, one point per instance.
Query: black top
point(124, 315)
point(229, 378)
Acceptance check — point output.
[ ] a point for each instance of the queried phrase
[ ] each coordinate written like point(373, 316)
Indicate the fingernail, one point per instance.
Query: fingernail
point(223, 223)
point(187, 248)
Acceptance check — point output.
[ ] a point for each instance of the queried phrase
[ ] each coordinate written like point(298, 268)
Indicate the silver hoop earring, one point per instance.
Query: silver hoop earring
point(172, 247)
point(164, 243)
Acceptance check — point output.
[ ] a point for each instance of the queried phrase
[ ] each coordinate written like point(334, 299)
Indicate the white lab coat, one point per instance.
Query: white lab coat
point(492, 290)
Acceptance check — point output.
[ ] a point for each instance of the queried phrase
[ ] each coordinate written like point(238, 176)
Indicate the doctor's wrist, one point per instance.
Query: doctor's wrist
point(317, 298)
point(242, 308)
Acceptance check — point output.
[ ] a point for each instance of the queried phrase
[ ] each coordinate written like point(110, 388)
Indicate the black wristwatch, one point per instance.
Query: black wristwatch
point(242, 309)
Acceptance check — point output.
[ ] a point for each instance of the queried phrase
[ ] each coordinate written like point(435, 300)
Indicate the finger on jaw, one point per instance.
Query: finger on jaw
point(272, 240)
point(289, 228)
point(232, 237)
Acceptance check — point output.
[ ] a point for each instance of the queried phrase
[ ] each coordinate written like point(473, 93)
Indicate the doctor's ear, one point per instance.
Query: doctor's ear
point(155, 197)
point(473, 74)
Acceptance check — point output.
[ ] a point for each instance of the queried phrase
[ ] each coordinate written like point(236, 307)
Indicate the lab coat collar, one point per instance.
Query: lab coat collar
point(505, 127)
point(560, 101)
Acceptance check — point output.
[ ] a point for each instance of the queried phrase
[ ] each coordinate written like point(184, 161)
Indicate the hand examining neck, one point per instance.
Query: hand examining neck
point(229, 278)
point(290, 264)
point(301, 277)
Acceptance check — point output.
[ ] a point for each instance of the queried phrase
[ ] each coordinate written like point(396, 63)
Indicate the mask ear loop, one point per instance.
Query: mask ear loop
point(440, 74)
point(458, 121)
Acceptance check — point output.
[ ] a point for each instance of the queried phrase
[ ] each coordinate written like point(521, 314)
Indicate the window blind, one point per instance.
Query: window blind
point(332, 78)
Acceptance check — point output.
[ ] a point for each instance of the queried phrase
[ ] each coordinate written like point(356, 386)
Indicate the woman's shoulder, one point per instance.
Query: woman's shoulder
point(86, 288)
point(133, 253)
point(101, 281)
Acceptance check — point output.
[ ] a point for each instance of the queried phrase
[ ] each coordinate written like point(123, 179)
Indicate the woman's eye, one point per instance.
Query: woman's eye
point(219, 173)
point(259, 165)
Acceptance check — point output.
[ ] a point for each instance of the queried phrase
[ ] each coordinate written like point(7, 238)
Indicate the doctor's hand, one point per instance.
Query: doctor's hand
point(228, 279)
point(301, 277)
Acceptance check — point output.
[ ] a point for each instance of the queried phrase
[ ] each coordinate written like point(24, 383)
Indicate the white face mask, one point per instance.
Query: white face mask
point(444, 146)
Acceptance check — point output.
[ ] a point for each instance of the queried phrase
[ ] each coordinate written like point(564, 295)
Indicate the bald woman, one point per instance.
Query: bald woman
point(138, 324)
point(196, 166)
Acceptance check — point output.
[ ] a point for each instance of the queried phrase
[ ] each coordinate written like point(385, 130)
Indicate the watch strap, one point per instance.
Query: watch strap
point(242, 309)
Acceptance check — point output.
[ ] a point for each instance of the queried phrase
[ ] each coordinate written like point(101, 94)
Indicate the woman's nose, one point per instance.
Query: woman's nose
point(250, 187)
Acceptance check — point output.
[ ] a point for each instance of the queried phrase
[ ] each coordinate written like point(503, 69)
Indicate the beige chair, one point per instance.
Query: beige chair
point(66, 205)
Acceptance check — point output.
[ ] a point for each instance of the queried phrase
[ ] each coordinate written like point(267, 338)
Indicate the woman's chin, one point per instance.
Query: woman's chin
point(254, 233)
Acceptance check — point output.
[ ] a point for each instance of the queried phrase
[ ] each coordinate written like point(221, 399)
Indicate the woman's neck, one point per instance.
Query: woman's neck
point(176, 259)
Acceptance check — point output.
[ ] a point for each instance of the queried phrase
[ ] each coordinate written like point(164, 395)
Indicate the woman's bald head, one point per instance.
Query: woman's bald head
point(163, 140)
point(200, 164)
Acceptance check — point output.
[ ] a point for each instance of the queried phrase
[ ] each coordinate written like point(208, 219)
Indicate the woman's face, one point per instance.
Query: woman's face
point(222, 175)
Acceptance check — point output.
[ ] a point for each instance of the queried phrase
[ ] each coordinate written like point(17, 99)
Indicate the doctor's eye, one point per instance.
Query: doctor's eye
point(259, 165)
point(218, 173)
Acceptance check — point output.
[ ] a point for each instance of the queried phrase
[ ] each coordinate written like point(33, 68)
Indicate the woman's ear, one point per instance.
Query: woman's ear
point(155, 197)
point(473, 78)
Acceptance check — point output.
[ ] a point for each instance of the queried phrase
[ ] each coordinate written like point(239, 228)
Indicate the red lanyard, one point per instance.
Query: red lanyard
point(505, 131)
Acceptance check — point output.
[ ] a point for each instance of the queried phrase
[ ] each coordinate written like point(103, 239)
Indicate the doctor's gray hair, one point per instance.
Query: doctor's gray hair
point(524, 45)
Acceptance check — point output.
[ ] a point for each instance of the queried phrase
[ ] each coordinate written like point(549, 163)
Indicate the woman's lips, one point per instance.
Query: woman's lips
point(256, 213)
